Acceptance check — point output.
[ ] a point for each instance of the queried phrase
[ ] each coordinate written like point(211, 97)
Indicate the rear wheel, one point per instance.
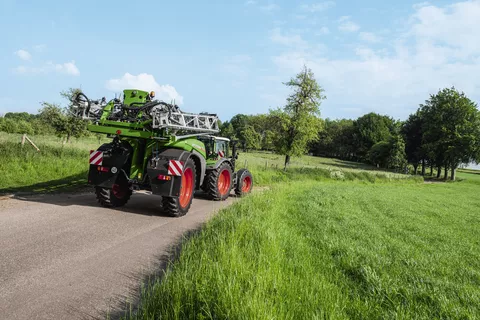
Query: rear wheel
point(244, 182)
point(218, 182)
point(117, 196)
point(179, 206)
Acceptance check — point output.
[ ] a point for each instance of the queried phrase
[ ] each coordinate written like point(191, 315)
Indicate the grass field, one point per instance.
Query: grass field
point(59, 166)
point(55, 167)
point(333, 250)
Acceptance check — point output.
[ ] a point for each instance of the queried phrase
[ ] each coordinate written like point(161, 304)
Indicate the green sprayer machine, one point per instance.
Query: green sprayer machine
point(157, 147)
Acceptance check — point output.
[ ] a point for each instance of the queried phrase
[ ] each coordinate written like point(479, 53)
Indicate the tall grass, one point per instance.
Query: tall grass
point(337, 250)
point(23, 168)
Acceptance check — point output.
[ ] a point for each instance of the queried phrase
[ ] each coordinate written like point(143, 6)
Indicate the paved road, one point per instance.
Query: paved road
point(64, 257)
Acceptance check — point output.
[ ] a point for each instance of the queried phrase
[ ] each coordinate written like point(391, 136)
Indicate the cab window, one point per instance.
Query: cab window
point(221, 147)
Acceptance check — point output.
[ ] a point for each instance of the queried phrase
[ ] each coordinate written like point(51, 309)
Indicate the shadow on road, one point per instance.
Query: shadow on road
point(141, 202)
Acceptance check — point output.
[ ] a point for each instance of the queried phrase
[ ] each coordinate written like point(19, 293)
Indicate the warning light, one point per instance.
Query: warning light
point(164, 177)
point(119, 131)
point(103, 169)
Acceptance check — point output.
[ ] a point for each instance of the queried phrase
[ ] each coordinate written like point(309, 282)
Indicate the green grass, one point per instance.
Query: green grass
point(337, 250)
point(55, 167)
point(60, 165)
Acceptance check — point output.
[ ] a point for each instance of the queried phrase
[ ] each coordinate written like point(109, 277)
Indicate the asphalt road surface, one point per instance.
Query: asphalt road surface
point(65, 257)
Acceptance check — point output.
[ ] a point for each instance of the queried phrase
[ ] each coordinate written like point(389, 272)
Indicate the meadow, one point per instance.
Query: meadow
point(329, 250)
point(328, 239)
point(61, 166)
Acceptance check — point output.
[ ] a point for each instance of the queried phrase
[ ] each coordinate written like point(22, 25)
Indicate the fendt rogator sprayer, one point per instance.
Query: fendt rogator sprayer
point(159, 148)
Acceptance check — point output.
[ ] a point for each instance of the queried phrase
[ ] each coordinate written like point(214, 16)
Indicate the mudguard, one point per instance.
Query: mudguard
point(159, 164)
point(218, 163)
point(116, 159)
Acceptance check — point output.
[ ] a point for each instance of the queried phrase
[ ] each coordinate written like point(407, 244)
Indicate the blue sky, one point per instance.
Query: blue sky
point(231, 57)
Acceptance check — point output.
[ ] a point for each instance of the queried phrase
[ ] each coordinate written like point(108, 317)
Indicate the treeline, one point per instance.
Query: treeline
point(52, 119)
point(443, 134)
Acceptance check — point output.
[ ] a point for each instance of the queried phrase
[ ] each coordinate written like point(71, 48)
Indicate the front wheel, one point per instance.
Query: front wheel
point(179, 206)
point(244, 182)
point(218, 182)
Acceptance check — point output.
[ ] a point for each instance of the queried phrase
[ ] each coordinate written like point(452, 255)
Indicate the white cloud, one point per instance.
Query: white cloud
point(439, 49)
point(293, 40)
point(250, 2)
point(23, 54)
point(347, 25)
point(146, 82)
point(369, 37)
point(68, 68)
point(317, 7)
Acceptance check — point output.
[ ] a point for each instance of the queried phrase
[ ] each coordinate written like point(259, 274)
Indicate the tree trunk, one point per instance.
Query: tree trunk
point(423, 167)
point(439, 172)
point(452, 175)
point(287, 161)
point(68, 138)
point(445, 176)
point(415, 167)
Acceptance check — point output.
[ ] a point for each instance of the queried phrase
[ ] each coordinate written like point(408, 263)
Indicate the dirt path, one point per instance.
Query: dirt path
point(64, 257)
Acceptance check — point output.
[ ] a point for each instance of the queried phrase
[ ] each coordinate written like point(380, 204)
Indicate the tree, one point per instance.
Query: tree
point(369, 130)
point(412, 131)
point(252, 138)
point(396, 158)
point(61, 119)
point(452, 129)
point(298, 124)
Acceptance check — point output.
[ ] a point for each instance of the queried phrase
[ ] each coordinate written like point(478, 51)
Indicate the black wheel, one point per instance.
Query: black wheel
point(179, 206)
point(218, 182)
point(244, 182)
point(117, 196)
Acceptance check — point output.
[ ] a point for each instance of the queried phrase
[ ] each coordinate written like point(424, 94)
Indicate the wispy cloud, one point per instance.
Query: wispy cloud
point(347, 25)
point(317, 7)
point(290, 40)
point(237, 65)
point(250, 2)
point(438, 49)
point(322, 31)
point(23, 54)
point(271, 7)
point(369, 37)
point(68, 68)
point(40, 47)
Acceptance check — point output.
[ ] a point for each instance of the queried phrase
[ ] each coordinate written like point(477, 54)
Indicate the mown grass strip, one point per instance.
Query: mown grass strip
point(334, 250)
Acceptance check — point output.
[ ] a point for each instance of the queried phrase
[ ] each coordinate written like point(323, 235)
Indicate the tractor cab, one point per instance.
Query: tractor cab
point(216, 147)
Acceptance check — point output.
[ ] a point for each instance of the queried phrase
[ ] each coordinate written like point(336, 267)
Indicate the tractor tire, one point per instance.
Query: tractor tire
point(117, 196)
point(244, 183)
point(179, 206)
point(218, 182)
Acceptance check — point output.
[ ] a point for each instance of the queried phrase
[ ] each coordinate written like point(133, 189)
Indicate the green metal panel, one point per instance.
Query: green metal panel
point(132, 96)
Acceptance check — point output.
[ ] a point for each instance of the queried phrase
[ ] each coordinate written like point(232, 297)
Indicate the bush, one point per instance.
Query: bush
point(24, 127)
point(9, 125)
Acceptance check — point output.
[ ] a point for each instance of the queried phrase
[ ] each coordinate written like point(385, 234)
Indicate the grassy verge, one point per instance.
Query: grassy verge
point(335, 250)
point(54, 168)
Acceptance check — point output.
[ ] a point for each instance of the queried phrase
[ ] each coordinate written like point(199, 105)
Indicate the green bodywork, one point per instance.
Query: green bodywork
point(144, 141)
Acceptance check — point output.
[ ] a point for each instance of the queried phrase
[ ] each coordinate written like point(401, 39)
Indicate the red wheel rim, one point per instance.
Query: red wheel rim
point(224, 182)
point(247, 184)
point(118, 191)
point(186, 190)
